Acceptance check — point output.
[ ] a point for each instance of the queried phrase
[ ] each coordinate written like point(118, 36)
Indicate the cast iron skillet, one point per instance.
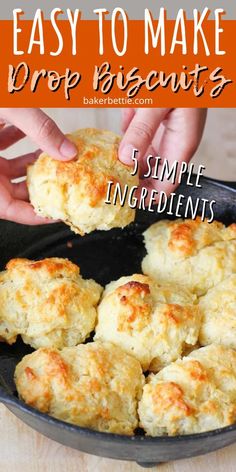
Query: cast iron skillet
point(104, 256)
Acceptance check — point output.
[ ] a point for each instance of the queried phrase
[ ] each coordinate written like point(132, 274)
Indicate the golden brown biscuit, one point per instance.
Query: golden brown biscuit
point(220, 361)
point(94, 385)
point(47, 302)
point(192, 395)
point(152, 322)
point(75, 191)
point(191, 253)
point(218, 309)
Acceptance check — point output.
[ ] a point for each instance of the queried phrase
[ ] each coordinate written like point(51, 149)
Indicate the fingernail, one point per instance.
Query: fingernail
point(68, 149)
point(126, 153)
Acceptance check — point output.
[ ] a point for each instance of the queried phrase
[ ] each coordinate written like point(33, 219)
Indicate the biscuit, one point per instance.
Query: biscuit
point(75, 191)
point(220, 361)
point(191, 253)
point(154, 323)
point(191, 395)
point(218, 309)
point(94, 385)
point(47, 302)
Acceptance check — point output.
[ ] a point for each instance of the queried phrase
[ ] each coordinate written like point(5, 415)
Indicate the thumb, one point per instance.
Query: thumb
point(42, 130)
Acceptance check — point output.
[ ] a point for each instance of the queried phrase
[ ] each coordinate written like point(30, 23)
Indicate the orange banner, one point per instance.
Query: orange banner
point(84, 78)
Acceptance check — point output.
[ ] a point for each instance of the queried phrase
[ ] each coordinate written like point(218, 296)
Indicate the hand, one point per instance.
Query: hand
point(34, 123)
point(172, 134)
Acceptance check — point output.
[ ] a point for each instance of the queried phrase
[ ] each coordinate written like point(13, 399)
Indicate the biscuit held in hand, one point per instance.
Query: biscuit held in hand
point(75, 191)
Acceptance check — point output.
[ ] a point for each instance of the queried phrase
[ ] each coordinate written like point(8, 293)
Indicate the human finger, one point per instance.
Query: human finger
point(42, 130)
point(127, 115)
point(17, 167)
point(140, 133)
point(10, 135)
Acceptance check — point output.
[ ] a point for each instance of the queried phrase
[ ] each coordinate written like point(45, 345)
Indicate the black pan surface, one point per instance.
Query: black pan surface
point(104, 256)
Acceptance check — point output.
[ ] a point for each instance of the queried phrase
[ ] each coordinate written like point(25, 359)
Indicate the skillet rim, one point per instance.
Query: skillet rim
point(10, 400)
